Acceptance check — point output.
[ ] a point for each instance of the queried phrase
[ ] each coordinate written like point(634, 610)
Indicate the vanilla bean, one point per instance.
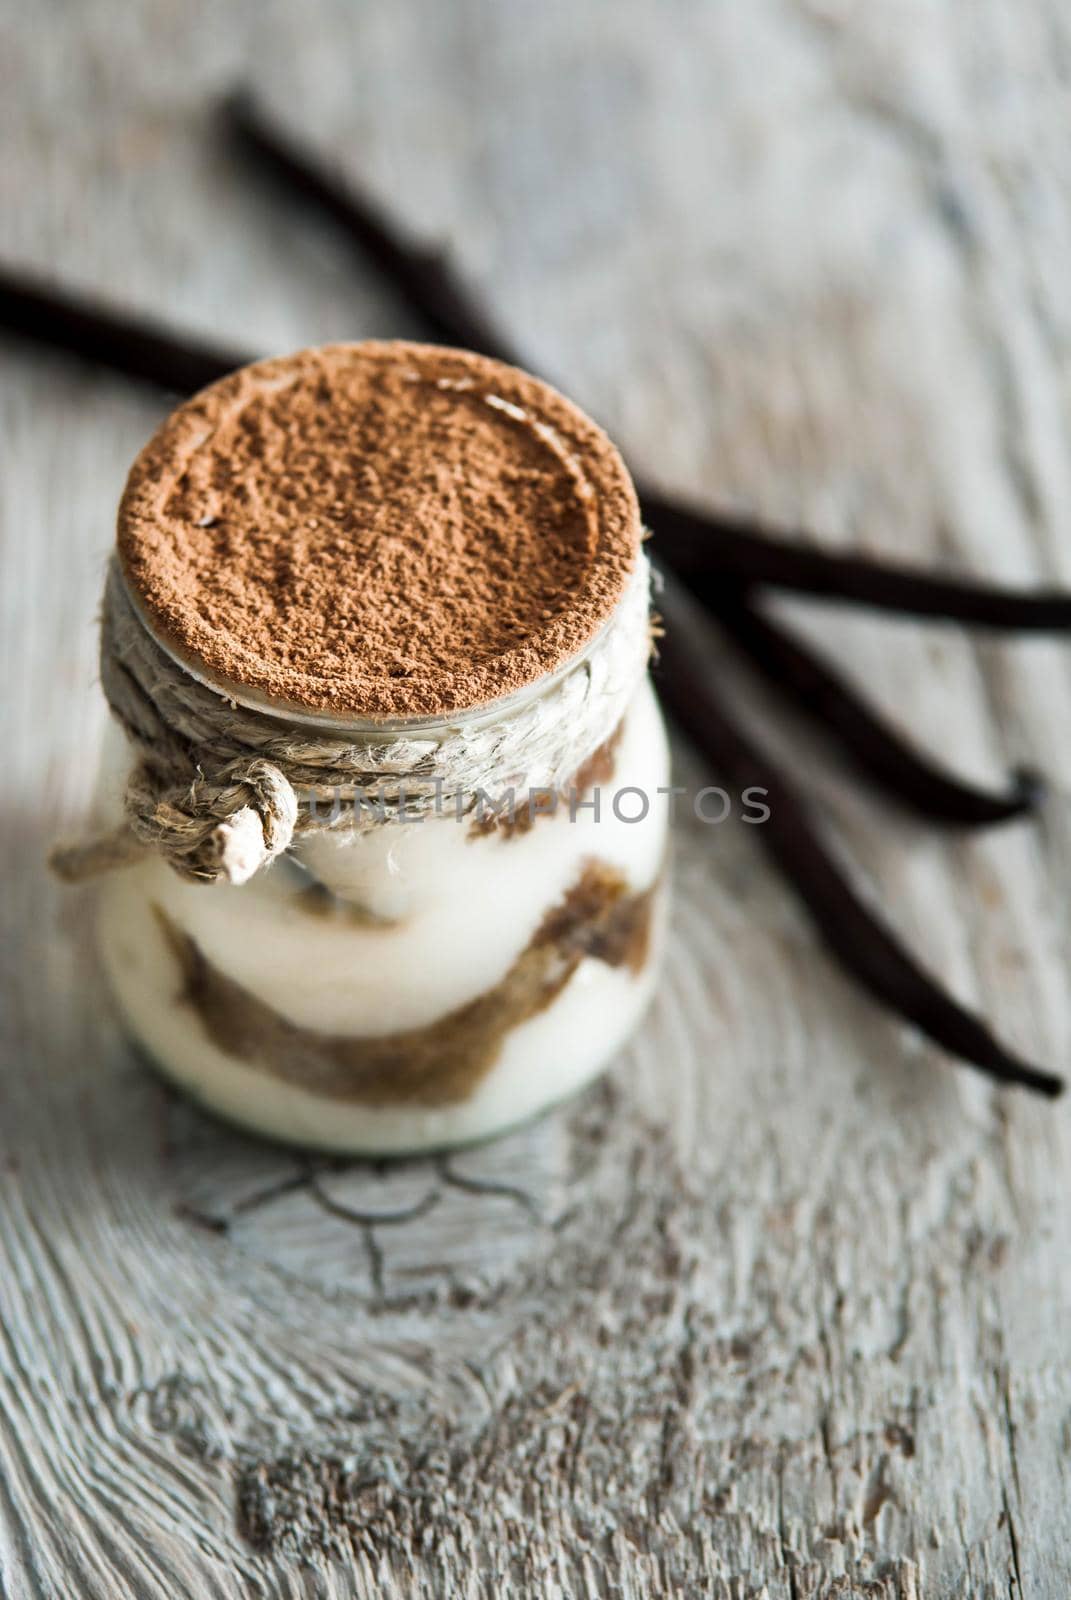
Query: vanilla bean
point(879, 750)
point(701, 545)
point(861, 942)
point(424, 278)
point(83, 326)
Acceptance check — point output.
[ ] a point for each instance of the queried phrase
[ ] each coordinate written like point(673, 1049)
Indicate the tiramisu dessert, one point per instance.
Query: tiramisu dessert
point(389, 816)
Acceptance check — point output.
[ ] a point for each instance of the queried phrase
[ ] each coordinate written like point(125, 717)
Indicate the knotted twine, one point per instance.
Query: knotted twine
point(218, 789)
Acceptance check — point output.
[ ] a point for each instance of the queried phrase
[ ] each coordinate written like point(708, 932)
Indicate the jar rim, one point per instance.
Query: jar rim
point(289, 714)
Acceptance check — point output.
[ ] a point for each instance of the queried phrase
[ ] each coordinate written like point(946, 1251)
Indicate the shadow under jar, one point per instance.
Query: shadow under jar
point(392, 798)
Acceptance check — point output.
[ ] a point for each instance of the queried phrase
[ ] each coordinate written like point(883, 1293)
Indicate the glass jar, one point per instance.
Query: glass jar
point(411, 984)
point(428, 961)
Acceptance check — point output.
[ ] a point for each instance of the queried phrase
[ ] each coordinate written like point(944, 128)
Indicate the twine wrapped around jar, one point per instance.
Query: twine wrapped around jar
point(219, 789)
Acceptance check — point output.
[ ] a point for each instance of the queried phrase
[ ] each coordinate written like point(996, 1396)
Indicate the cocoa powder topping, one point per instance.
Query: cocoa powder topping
point(379, 530)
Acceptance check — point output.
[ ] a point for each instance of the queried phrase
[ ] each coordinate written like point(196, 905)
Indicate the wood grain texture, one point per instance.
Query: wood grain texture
point(781, 1308)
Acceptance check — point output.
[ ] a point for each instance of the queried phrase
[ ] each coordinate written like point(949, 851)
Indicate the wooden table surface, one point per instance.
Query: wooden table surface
point(781, 1308)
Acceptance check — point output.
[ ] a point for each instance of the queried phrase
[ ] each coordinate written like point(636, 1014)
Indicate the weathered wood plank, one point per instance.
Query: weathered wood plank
point(781, 1307)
